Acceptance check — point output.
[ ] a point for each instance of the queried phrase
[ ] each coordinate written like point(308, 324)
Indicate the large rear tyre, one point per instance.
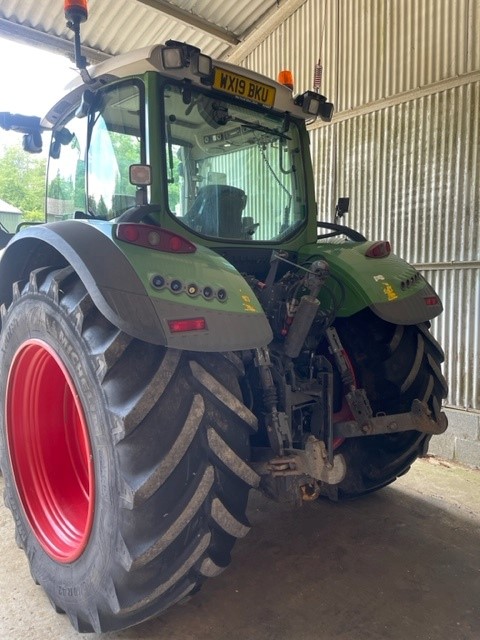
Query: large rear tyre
point(124, 462)
point(394, 364)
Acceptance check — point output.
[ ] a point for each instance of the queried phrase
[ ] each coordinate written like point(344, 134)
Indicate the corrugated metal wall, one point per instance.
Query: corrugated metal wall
point(404, 145)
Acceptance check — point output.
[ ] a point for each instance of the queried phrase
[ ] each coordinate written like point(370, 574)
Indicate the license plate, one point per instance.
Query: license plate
point(243, 87)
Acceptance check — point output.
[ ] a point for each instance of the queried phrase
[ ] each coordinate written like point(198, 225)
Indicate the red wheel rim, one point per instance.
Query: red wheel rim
point(50, 451)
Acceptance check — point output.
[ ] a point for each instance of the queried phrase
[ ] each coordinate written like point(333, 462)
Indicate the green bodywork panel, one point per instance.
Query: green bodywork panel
point(204, 268)
point(235, 320)
point(391, 287)
point(366, 280)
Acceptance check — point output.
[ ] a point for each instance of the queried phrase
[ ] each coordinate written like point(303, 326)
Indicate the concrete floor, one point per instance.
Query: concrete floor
point(401, 564)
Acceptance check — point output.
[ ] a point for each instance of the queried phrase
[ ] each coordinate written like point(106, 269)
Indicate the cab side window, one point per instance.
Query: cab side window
point(115, 132)
point(90, 157)
point(66, 171)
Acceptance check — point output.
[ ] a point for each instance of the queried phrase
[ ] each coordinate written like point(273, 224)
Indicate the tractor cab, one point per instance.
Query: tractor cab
point(219, 155)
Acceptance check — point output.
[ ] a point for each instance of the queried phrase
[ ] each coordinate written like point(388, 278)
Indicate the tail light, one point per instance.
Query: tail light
point(187, 324)
point(153, 237)
point(380, 249)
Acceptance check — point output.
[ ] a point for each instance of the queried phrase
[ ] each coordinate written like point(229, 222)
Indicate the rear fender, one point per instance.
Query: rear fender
point(118, 277)
point(393, 289)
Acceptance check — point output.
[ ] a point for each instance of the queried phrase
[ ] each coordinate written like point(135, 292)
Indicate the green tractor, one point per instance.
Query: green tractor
point(183, 328)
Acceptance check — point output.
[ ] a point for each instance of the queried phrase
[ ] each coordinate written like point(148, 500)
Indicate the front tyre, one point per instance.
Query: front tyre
point(124, 462)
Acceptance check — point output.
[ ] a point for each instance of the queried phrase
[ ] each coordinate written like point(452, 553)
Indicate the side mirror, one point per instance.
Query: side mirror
point(342, 207)
point(61, 137)
point(28, 125)
point(88, 98)
point(32, 142)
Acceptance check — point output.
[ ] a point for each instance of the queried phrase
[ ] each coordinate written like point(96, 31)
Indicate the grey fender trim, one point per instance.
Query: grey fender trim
point(106, 273)
point(411, 310)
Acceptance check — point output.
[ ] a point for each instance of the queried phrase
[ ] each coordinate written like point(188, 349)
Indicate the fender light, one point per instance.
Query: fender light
point(431, 301)
point(380, 249)
point(152, 237)
point(187, 324)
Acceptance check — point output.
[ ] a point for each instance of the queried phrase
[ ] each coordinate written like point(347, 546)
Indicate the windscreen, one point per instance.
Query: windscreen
point(234, 172)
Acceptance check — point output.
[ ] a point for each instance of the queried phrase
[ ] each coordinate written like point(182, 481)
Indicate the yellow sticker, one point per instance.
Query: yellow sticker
point(389, 291)
point(247, 303)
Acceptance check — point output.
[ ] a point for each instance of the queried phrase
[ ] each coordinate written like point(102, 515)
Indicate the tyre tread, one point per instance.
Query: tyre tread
point(160, 554)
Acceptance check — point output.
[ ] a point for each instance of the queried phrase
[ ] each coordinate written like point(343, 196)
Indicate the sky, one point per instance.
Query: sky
point(31, 81)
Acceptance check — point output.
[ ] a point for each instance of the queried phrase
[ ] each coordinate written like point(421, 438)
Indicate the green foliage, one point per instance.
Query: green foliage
point(22, 181)
point(61, 188)
point(174, 187)
point(127, 152)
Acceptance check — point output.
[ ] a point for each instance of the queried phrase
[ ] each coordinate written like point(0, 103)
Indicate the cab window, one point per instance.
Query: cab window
point(115, 131)
point(233, 172)
point(106, 143)
point(66, 170)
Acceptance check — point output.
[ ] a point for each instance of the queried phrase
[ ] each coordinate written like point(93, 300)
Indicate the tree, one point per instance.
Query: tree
point(22, 181)
point(61, 188)
point(127, 152)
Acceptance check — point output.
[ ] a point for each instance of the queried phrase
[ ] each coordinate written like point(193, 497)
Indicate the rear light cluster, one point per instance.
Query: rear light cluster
point(380, 249)
point(153, 237)
point(192, 289)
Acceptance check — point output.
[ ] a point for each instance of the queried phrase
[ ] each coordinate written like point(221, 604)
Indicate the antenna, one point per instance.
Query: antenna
point(318, 73)
point(317, 76)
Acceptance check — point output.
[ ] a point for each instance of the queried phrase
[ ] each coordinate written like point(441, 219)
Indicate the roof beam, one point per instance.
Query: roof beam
point(48, 41)
point(193, 20)
point(266, 25)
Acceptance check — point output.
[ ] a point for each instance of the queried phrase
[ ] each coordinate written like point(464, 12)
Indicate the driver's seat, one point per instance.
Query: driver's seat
point(217, 211)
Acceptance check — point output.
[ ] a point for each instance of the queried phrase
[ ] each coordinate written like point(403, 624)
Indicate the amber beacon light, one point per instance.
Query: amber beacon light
point(76, 10)
point(285, 77)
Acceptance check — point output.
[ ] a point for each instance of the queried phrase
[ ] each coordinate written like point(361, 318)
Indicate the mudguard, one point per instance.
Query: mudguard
point(120, 279)
point(393, 289)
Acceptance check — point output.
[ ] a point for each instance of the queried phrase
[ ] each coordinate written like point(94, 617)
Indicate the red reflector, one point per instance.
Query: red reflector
point(430, 301)
point(188, 324)
point(380, 249)
point(152, 237)
point(175, 243)
point(130, 233)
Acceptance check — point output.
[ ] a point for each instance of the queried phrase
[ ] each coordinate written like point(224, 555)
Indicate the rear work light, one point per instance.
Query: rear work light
point(152, 237)
point(380, 249)
point(187, 324)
